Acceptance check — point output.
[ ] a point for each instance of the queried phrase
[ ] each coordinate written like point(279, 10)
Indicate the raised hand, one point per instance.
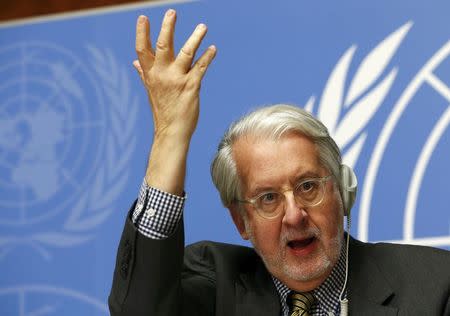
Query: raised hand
point(173, 87)
point(172, 83)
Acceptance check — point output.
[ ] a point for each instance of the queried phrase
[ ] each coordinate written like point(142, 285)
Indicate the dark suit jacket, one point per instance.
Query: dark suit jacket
point(160, 277)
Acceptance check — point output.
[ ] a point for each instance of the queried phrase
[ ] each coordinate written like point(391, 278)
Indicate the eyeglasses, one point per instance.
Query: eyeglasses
point(308, 192)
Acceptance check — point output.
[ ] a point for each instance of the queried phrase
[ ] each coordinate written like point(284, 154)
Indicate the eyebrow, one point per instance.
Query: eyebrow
point(300, 177)
point(307, 175)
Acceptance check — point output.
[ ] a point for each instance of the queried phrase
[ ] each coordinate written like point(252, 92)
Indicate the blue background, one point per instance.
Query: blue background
point(268, 52)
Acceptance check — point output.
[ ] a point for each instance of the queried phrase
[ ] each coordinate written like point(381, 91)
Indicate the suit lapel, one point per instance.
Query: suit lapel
point(256, 294)
point(369, 291)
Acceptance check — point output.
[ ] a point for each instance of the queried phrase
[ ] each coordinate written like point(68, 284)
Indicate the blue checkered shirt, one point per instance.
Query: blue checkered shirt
point(157, 214)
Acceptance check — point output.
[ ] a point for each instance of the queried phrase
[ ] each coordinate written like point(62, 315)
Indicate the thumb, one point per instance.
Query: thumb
point(138, 67)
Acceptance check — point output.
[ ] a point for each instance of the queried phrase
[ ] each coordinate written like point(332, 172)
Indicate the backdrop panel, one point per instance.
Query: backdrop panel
point(75, 128)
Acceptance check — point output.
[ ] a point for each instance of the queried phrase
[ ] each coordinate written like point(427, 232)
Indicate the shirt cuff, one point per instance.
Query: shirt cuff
point(157, 213)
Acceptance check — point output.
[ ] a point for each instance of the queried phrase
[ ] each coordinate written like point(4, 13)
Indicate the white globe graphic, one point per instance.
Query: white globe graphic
point(50, 136)
point(403, 193)
point(425, 188)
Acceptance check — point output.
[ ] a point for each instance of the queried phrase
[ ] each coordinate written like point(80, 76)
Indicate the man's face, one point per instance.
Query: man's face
point(302, 244)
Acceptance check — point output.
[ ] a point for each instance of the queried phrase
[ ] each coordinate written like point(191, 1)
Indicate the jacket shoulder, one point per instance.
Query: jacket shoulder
point(403, 253)
point(411, 263)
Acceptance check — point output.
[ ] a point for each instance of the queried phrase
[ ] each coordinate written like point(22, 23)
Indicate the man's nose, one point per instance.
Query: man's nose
point(294, 213)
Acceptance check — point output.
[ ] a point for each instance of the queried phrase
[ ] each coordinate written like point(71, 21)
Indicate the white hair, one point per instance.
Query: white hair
point(270, 122)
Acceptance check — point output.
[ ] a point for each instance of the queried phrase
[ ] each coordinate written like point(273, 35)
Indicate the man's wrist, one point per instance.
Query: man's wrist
point(173, 135)
point(167, 164)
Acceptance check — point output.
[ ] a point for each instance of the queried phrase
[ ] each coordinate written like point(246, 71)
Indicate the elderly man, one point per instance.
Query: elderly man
point(280, 175)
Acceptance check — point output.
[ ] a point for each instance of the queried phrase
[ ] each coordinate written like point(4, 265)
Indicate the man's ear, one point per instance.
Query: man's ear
point(238, 220)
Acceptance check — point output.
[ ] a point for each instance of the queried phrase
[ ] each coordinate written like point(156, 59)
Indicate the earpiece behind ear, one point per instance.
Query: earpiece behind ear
point(349, 186)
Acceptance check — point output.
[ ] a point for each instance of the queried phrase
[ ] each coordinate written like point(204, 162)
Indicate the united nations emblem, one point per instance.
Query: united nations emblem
point(64, 144)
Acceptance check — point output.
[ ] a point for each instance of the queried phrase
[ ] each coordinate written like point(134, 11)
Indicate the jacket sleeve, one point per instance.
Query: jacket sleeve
point(148, 278)
point(147, 273)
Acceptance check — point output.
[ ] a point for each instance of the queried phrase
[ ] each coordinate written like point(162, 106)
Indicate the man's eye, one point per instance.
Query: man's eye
point(269, 198)
point(307, 186)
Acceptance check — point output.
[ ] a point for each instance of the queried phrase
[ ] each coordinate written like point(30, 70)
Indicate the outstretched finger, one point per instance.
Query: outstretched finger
point(187, 53)
point(164, 45)
point(143, 46)
point(202, 64)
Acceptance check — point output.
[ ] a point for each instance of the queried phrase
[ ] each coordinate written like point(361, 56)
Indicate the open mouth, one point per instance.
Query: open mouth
point(300, 243)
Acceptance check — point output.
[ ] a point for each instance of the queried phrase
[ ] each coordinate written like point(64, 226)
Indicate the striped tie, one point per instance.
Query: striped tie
point(300, 303)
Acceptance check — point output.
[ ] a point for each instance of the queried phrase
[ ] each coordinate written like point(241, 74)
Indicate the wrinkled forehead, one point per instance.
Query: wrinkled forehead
point(260, 159)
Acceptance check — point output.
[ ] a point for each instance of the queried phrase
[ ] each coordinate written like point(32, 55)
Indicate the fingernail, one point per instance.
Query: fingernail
point(170, 12)
point(141, 19)
point(201, 26)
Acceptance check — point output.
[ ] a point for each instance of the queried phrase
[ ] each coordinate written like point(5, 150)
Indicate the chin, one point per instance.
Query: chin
point(317, 265)
point(314, 268)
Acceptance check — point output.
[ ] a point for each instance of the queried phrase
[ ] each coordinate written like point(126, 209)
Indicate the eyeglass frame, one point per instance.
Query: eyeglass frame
point(321, 180)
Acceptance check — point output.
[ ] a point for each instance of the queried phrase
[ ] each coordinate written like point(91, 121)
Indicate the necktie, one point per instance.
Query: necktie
point(300, 303)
